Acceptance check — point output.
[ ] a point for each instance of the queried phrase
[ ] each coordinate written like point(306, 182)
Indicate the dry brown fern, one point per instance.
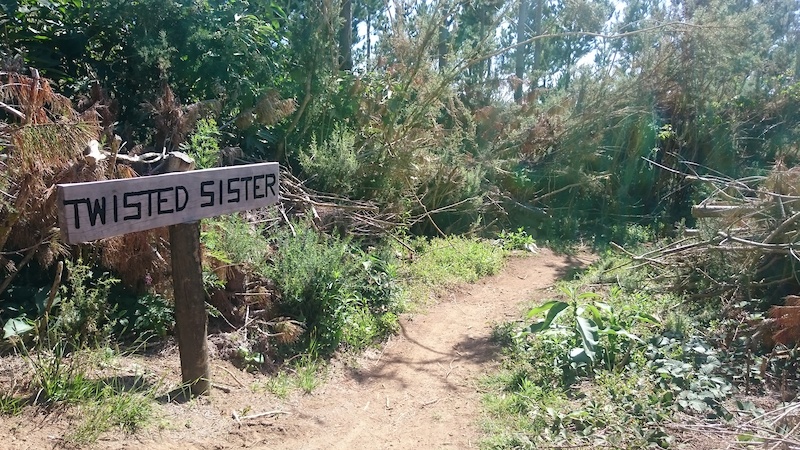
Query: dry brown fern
point(786, 322)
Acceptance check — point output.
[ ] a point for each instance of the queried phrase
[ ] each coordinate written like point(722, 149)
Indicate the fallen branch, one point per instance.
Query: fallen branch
point(263, 414)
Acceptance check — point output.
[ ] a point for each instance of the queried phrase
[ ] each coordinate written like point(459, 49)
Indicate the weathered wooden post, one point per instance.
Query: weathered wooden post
point(191, 320)
point(95, 210)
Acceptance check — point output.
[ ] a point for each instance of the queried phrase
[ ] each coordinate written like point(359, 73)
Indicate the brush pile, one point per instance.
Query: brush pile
point(746, 247)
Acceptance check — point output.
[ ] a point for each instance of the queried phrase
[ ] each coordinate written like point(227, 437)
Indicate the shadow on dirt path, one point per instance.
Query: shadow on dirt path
point(418, 392)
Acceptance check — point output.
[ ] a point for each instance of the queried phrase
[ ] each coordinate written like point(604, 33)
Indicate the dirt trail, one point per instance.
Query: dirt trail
point(419, 391)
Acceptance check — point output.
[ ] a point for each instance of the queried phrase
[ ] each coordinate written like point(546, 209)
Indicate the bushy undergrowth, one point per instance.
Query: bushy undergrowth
point(340, 293)
point(610, 366)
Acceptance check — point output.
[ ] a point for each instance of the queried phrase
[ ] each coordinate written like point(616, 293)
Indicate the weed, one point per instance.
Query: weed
point(309, 372)
point(230, 239)
point(63, 379)
point(517, 240)
point(85, 317)
point(129, 411)
point(145, 317)
point(278, 385)
point(600, 334)
point(10, 405)
point(251, 360)
point(58, 377)
point(600, 369)
point(332, 164)
point(342, 294)
point(203, 145)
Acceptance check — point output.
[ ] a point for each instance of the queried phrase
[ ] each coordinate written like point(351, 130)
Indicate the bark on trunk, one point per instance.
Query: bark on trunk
point(190, 308)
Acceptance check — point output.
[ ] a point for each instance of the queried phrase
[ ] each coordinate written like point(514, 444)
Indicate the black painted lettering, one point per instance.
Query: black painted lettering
point(75, 213)
point(256, 195)
point(127, 204)
point(99, 210)
point(150, 193)
point(178, 205)
point(220, 193)
point(271, 181)
point(116, 213)
point(206, 193)
point(246, 182)
point(233, 190)
point(162, 199)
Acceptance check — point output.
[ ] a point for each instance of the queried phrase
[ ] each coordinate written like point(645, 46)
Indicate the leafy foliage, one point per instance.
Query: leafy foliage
point(340, 297)
point(85, 315)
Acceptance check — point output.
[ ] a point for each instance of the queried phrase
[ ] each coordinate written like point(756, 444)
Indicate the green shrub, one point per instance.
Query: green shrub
point(145, 316)
point(85, 315)
point(332, 165)
point(233, 240)
point(517, 240)
point(203, 144)
point(342, 294)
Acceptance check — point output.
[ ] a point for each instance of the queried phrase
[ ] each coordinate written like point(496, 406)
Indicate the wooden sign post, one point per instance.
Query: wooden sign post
point(100, 209)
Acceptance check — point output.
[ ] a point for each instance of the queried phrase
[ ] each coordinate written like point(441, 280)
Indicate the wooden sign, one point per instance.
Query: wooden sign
point(95, 210)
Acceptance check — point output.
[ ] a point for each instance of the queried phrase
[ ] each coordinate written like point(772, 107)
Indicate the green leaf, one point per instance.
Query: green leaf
point(578, 355)
point(649, 318)
point(40, 298)
point(16, 327)
point(594, 312)
point(629, 335)
point(553, 308)
point(588, 332)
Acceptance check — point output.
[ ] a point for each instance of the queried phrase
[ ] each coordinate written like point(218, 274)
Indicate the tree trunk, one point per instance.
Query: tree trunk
point(537, 46)
point(797, 56)
point(522, 50)
point(346, 36)
point(444, 38)
point(369, 38)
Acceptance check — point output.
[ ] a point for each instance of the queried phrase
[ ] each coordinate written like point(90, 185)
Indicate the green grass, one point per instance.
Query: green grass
point(443, 262)
point(11, 404)
point(101, 403)
point(305, 375)
point(279, 385)
point(309, 374)
point(128, 411)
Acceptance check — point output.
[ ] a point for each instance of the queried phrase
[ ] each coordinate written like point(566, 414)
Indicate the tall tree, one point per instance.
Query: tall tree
point(346, 36)
point(521, 52)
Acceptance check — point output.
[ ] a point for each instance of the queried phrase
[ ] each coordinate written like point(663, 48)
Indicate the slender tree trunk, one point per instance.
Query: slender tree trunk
point(797, 56)
point(537, 46)
point(346, 36)
point(369, 37)
point(522, 50)
point(444, 37)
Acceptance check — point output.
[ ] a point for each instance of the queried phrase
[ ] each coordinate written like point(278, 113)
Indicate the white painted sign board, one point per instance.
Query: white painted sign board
point(100, 209)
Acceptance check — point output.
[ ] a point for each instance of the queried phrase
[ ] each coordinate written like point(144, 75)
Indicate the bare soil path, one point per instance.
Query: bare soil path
point(420, 391)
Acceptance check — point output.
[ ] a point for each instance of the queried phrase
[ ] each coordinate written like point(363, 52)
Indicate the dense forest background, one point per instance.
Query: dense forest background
point(664, 134)
point(568, 118)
